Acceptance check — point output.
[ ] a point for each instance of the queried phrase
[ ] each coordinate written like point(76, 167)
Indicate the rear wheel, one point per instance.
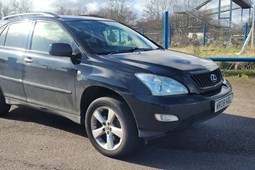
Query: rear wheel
point(4, 108)
point(111, 127)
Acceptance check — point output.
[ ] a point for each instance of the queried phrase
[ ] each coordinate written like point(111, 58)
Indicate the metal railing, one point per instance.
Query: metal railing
point(232, 59)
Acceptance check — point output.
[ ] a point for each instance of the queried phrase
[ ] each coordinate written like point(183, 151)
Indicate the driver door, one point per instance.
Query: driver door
point(49, 81)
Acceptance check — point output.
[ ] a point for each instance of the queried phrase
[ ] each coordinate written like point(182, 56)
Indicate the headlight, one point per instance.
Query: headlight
point(162, 86)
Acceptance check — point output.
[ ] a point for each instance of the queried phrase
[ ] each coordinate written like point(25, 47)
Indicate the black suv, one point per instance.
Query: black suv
point(99, 73)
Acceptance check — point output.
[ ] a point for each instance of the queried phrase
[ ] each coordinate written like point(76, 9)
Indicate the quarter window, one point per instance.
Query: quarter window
point(46, 33)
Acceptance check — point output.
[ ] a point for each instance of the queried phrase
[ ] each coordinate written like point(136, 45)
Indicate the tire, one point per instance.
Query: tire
point(111, 127)
point(4, 108)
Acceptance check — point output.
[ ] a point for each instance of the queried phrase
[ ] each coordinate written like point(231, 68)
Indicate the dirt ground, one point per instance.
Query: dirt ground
point(31, 139)
point(244, 99)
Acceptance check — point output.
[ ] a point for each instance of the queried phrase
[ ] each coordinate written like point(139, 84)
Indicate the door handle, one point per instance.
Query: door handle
point(28, 60)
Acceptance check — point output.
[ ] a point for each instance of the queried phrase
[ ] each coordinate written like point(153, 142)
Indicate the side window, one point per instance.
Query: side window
point(2, 36)
point(46, 33)
point(17, 35)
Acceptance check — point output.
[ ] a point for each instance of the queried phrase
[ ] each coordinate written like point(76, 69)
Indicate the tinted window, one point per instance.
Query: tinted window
point(3, 35)
point(46, 33)
point(17, 35)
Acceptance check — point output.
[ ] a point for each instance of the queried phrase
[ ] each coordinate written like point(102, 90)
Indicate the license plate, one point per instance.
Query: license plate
point(222, 103)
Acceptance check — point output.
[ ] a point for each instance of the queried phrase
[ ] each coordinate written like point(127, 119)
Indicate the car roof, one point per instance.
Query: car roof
point(47, 15)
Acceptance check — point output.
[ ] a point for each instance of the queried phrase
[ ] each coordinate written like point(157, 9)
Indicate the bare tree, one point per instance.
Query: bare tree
point(153, 18)
point(118, 10)
point(15, 7)
point(68, 11)
point(21, 6)
point(5, 9)
point(156, 8)
point(1, 9)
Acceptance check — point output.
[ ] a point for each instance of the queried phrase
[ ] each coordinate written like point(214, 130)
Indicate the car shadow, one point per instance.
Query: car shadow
point(225, 142)
point(27, 114)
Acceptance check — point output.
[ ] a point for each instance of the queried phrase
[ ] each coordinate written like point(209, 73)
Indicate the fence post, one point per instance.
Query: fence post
point(204, 34)
point(170, 36)
point(166, 30)
point(245, 31)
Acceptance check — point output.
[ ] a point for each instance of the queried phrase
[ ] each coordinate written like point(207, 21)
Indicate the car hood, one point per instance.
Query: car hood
point(156, 59)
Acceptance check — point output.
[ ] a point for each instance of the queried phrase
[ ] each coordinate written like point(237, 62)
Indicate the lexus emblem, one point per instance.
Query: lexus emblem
point(213, 78)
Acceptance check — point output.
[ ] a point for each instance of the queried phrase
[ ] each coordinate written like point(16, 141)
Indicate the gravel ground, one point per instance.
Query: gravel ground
point(30, 139)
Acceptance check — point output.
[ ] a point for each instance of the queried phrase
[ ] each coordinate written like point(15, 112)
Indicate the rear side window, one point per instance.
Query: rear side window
point(17, 35)
point(46, 33)
point(2, 36)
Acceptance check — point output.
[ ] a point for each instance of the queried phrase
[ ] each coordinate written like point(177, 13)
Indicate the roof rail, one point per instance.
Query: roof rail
point(47, 14)
point(92, 15)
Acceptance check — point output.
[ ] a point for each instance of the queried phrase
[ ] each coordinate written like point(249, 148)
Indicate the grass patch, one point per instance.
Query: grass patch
point(212, 51)
point(239, 73)
point(226, 67)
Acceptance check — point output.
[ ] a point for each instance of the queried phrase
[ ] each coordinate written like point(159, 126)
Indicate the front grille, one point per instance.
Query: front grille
point(204, 80)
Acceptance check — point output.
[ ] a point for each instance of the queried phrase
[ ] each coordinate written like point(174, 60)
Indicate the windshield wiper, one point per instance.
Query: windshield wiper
point(135, 49)
point(112, 52)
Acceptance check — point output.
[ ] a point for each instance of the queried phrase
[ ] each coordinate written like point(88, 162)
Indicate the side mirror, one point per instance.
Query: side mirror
point(60, 49)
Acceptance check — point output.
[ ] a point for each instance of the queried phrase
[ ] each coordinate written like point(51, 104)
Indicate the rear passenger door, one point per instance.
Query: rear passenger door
point(13, 42)
point(49, 81)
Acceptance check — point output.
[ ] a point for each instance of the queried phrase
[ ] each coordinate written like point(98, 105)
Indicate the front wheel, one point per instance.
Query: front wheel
point(111, 127)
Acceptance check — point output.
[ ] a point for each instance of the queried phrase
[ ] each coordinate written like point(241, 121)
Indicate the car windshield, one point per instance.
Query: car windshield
point(108, 37)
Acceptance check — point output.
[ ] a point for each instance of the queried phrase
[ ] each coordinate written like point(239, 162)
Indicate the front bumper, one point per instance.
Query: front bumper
point(189, 109)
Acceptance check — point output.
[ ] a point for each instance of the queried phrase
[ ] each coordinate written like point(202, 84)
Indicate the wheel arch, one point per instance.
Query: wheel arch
point(93, 92)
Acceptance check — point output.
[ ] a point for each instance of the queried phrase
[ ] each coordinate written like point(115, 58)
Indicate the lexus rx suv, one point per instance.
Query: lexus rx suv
point(121, 86)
